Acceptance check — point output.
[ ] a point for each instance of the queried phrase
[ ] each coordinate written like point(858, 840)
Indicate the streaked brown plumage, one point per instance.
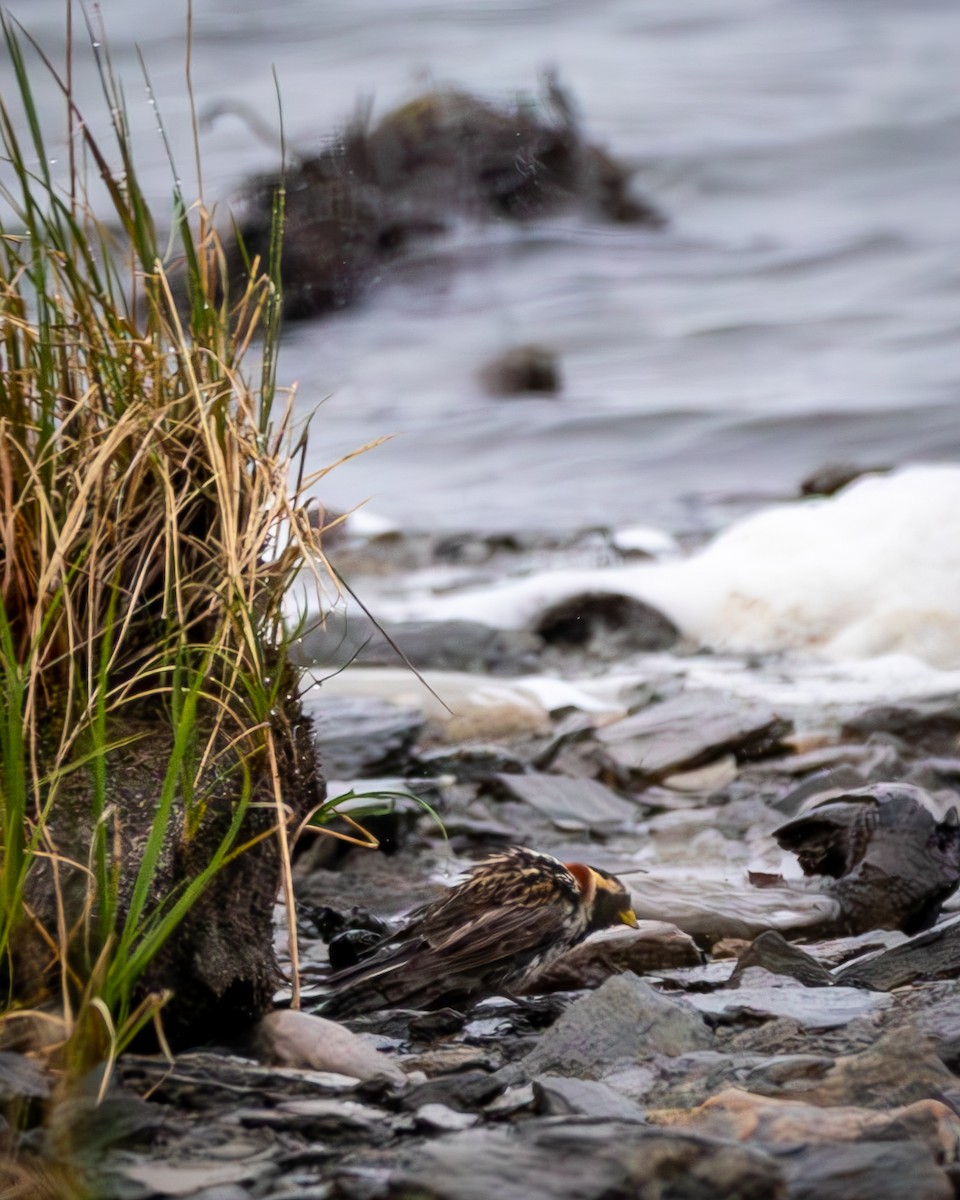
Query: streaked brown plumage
point(515, 911)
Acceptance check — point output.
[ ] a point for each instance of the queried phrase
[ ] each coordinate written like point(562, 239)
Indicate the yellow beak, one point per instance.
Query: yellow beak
point(629, 917)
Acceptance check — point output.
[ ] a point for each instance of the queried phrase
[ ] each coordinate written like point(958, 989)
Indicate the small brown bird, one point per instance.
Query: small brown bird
point(515, 912)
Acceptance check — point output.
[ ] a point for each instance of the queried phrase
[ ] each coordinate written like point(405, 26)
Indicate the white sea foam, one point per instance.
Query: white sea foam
point(874, 570)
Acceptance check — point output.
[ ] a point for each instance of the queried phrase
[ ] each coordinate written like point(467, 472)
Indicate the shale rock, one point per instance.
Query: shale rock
point(623, 1021)
point(879, 1170)
point(428, 645)
point(359, 735)
point(606, 1160)
point(762, 995)
point(556, 1096)
point(688, 730)
point(652, 946)
point(934, 954)
point(571, 804)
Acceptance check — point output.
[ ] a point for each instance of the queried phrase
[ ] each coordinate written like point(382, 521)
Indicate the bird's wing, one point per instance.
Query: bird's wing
point(479, 939)
point(491, 935)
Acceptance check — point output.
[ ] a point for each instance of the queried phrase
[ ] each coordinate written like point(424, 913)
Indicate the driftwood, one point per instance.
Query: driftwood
point(933, 954)
point(888, 854)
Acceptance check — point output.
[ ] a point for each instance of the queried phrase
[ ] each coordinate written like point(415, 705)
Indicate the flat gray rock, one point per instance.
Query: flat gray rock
point(652, 946)
point(570, 803)
point(712, 908)
point(21, 1078)
point(605, 1160)
point(328, 1117)
point(761, 994)
point(878, 1170)
point(772, 952)
point(934, 954)
point(557, 1096)
point(624, 1020)
point(361, 735)
point(689, 729)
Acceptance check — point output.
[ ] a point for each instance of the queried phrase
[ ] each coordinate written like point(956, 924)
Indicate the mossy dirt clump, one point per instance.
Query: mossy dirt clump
point(444, 157)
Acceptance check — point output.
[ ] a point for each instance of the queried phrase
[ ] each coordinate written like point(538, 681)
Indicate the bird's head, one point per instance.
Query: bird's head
point(606, 899)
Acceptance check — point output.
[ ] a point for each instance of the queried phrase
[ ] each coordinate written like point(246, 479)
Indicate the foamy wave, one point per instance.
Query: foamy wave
point(873, 570)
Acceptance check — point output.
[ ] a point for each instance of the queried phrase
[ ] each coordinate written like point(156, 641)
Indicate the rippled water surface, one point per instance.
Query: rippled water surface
point(801, 307)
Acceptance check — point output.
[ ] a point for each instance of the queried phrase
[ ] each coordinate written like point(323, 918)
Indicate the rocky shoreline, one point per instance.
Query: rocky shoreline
point(762, 1034)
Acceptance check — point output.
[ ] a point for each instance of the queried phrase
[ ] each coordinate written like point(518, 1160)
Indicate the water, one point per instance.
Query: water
point(802, 306)
point(871, 571)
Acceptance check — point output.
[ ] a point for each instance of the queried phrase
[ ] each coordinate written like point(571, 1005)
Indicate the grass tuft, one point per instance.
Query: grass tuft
point(148, 534)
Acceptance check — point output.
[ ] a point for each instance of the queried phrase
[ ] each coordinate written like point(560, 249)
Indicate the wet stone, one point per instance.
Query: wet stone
point(865, 762)
point(556, 1096)
point(21, 1078)
point(762, 995)
point(471, 763)
point(706, 977)
point(530, 369)
point(571, 804)
point(834, 952)
point(832, 477)
point(328, 921)
point(623, 1021)
point(878, 1170)
point(934, 954)
point(349, 946)
point(361, 735)
point(441, 1022)
point(710, 909)
point(775, 954)
point(186, 1179)
point(438, 1118)
point(688, 729)
point(653, 946)
point(931, 726)
point(227, 1191)
point(822, 786)
point(465, 1091)
point(705, 780)
point(605, 1160)
point(606, 625)
point(512, 1100)
point(327, 1118)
